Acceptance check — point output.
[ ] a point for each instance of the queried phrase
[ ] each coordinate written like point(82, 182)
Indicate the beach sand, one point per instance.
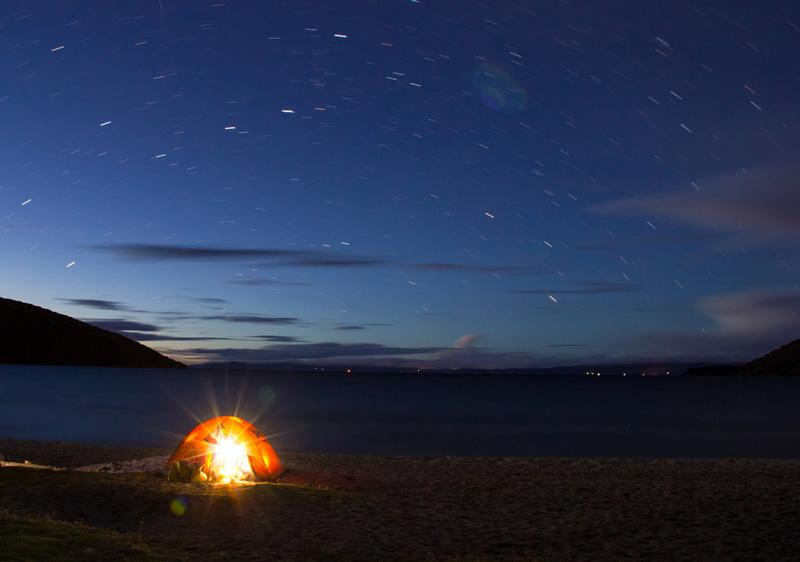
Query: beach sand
point(347, 507)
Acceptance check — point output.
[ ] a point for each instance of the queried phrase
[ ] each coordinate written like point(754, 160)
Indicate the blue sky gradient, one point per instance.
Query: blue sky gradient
point(431, 183)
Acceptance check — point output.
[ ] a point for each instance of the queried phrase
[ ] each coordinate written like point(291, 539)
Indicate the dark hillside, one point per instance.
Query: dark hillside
point(782, 361)
point(33, 335)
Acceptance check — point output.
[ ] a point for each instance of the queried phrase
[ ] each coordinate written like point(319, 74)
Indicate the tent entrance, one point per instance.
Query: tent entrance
point(229, 461)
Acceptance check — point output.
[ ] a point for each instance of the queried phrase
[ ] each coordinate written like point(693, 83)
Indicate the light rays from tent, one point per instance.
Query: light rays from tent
point(226, 394)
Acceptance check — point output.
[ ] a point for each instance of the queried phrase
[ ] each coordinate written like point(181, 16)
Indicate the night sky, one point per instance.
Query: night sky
point(457, 184)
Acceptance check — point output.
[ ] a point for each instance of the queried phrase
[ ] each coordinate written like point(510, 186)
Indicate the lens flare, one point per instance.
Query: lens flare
point(498, 90)
point(178, 506)
point(266, 394)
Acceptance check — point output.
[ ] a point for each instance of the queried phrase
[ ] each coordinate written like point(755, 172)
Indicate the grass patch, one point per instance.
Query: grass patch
point(31, 539)
point(200, 522)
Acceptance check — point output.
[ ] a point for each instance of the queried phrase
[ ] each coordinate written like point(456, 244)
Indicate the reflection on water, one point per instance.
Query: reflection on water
point(413, 414)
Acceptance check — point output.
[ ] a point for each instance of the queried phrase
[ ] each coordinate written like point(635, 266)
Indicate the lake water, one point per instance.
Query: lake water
point(414, 414)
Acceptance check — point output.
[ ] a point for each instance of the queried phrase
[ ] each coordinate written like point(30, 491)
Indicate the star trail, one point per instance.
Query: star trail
point(465, 184)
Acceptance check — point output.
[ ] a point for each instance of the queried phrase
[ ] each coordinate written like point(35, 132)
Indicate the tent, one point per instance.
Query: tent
point(224, 449)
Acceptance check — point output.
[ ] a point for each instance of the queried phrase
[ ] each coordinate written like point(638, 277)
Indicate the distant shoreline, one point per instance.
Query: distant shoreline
point(716, 371)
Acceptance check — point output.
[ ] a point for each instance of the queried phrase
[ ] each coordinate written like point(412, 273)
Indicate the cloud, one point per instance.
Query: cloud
point(209, 300)
point(129, 327)
point(289, 258)
point(474, 268)
point(754, 313)
point(307, 352)
point(251, 319)
point(466, 354)
point(744, 325)
point(201, 300)
point(281, 257)
point(259, 281)
point(122, 325)
point(587, 288)
point(234, 318)
point(173, 252)
point(463, 354)
point(753, 205)
point(97, 304)
point(278, 339)
point(141, 331)
point(322, 261)
point(466, 341)
point(349, 327)
point(166, 337)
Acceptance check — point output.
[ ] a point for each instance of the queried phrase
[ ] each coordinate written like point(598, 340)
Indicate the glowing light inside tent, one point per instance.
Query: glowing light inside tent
point(229, 459)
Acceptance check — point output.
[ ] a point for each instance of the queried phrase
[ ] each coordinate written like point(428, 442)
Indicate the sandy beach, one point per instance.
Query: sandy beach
point(399, 508)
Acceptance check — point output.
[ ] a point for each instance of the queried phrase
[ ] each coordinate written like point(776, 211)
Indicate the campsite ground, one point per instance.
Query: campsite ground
point(395, 508)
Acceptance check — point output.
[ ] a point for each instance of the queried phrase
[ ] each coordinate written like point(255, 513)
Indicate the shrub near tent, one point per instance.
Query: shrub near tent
point(224, 449)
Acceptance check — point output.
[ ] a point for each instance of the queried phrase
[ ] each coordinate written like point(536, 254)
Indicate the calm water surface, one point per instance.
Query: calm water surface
point(414, 414)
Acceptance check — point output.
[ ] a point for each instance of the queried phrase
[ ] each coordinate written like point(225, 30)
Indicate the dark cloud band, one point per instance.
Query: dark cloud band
point(598, 288)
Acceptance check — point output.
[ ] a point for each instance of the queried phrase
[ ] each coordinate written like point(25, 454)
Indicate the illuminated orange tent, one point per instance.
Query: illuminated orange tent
point(224, 449)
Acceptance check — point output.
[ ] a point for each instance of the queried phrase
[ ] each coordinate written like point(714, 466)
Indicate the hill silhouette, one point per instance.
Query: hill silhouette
point(36, 336)
point(782, 361)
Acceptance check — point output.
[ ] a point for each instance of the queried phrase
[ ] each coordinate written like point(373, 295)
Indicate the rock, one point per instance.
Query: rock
point(198, 475)
point(180, 472)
